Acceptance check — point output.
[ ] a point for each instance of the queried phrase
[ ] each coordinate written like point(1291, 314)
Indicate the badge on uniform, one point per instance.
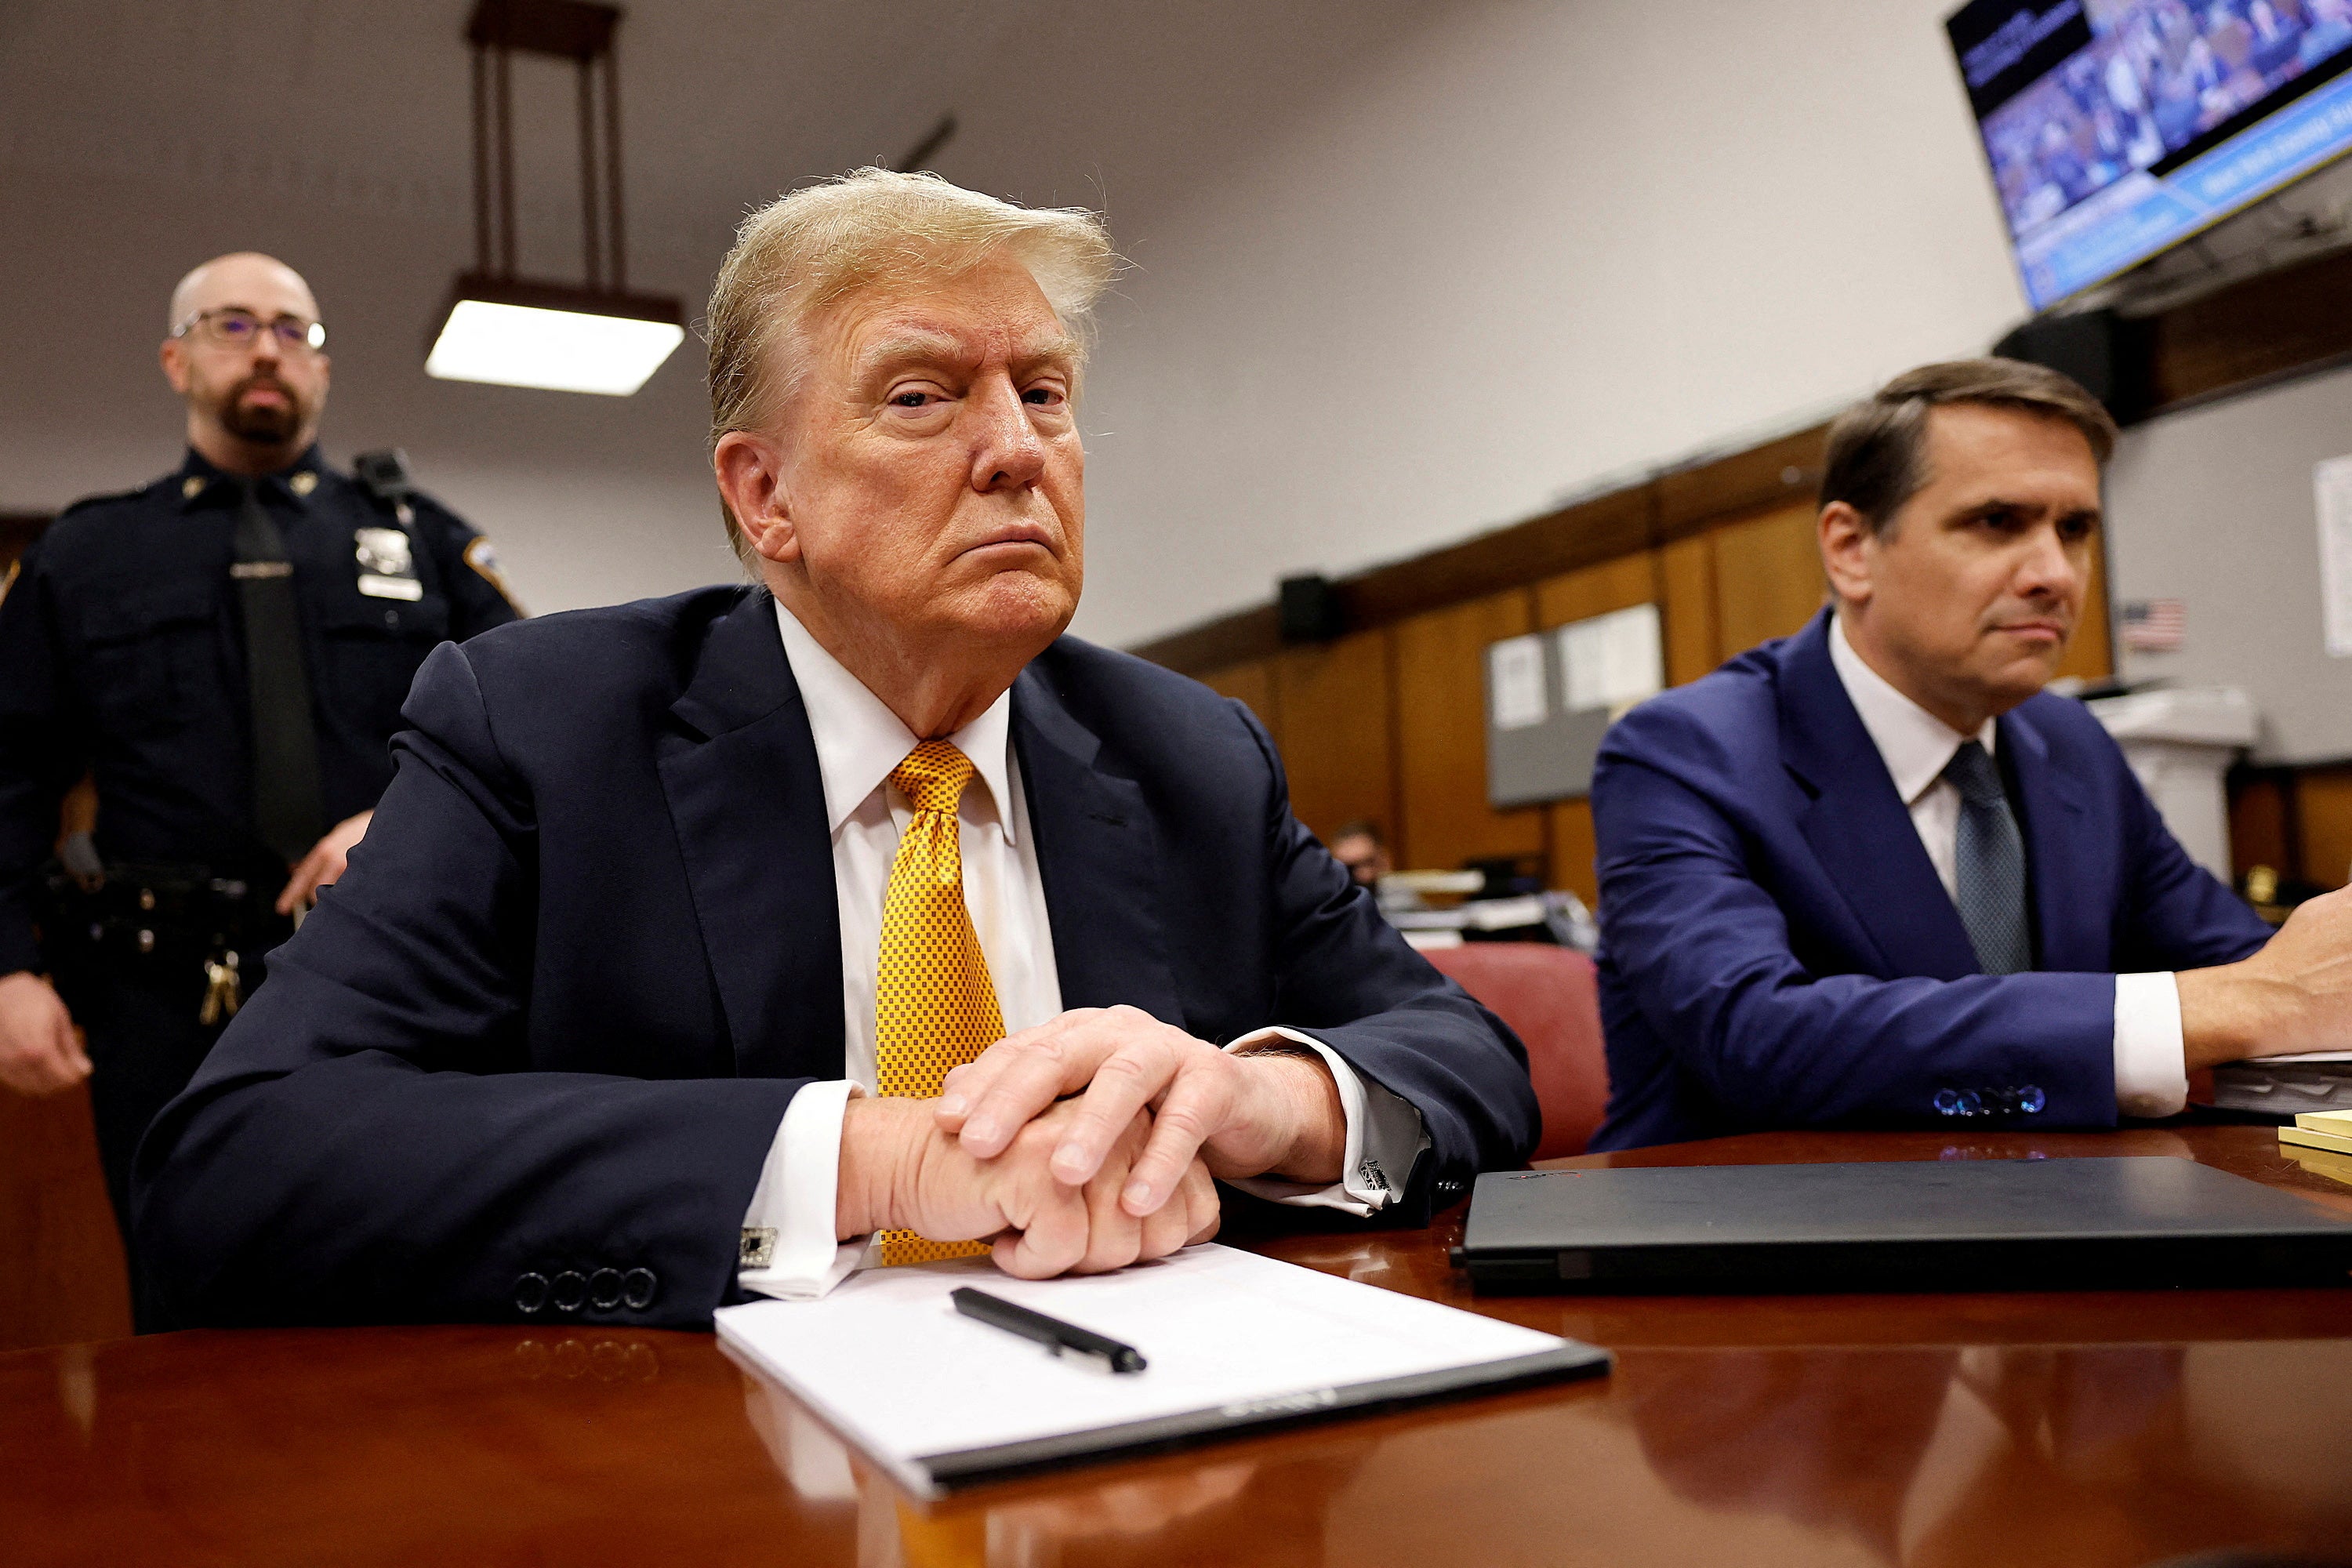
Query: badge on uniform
point(387, 564)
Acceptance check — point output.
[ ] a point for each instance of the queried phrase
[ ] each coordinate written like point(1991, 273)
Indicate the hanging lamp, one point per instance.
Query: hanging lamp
point(594, 336)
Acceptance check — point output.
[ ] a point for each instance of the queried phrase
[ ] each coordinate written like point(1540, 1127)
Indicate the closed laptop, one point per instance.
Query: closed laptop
point(1937, 1225)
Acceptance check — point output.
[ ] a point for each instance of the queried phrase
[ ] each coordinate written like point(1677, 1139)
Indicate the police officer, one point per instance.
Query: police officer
point(225, 651)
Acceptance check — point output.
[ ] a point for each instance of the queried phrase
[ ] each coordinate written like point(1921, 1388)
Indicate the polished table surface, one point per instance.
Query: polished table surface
point(2084, 1429)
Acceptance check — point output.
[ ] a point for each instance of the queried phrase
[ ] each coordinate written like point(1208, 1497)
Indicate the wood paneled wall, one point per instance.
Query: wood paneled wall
point(1388, 724)
point(1338, 724)
point(1441, 699)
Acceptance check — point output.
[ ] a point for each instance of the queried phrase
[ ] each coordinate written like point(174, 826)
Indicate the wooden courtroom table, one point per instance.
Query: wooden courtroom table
point(2083, 1428)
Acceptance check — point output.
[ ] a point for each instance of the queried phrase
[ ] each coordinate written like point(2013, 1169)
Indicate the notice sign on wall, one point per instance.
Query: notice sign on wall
point(2331, 484)
point(1516, 698)
point(1539, 749)
point(1613, 661)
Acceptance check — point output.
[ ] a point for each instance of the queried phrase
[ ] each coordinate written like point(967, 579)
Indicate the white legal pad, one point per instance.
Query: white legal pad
point(1234, 1341)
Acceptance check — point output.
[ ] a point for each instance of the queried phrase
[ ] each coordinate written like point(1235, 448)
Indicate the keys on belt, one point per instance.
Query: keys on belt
point(171, 922)
point(223, 990)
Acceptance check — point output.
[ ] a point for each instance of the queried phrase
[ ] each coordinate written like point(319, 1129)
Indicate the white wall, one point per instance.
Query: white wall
point(1537, 246)
point(1407, 270)
point(139, 136)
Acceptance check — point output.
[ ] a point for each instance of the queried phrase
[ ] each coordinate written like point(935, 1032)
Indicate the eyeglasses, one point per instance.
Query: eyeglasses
point(235, 329)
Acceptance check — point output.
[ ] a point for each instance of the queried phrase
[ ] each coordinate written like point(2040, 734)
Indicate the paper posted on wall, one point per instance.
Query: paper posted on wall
point(2331, 484)
point(1515, 683)
point(1614, 661)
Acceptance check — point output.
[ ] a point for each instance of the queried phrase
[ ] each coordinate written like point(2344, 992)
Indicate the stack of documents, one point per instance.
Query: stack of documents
point(2320, 1141)
point(1233, 1341)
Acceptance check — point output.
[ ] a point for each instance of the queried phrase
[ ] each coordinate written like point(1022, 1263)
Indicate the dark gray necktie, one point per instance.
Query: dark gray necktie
point(1988, 870)
point(287, 809)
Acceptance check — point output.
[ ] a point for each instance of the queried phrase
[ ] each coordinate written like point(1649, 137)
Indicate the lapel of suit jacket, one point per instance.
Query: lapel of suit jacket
point(747, 802)
point(2052, 806)
point(1098, 858)
point(1858, 826)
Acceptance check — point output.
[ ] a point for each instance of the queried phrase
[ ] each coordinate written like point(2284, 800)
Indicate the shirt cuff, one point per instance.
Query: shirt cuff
point(1385, 1138)
point(788, 1250)
point(2151, 1064)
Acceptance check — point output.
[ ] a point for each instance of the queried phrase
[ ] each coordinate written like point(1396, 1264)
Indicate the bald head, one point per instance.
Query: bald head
point(243, 279)
point(242, 352)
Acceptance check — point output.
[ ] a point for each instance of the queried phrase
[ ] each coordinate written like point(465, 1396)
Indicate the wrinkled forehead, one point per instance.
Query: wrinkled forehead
point(253, 283)
point(988, 315)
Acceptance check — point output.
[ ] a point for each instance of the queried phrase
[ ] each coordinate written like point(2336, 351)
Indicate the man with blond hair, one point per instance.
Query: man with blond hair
point(734, 941)
point(224, 651)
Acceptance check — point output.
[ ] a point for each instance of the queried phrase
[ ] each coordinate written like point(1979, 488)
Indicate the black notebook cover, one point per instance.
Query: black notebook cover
point(1977, 1224)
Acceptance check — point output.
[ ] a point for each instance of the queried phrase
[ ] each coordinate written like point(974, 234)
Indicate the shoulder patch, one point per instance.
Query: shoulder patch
point(484, 560)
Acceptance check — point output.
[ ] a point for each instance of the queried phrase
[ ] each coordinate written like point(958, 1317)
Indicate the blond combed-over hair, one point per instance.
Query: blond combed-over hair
point(869, 227)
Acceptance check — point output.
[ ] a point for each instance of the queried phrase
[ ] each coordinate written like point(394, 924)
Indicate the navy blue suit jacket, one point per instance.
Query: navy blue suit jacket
point(1777, 948)
point(550, 1020)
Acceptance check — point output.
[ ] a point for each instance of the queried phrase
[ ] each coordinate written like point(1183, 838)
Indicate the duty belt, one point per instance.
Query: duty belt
point(171, 922)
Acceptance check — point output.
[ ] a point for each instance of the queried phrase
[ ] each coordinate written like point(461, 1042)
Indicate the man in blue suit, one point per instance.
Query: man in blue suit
point(661, 975)
point(1873, 876)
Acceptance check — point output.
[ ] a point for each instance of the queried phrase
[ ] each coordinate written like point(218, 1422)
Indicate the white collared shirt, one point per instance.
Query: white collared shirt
point(859, 742)
point(2151, 1064)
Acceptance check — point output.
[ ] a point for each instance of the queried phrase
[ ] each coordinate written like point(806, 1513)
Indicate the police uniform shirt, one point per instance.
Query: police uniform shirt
point(122, 638)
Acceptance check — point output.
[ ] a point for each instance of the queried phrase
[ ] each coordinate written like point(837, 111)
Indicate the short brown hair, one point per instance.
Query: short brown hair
point(1877, 457)
point(801, 252)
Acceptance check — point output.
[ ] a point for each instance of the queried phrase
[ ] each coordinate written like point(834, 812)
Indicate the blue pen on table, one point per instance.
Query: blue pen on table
point(1056, 1335)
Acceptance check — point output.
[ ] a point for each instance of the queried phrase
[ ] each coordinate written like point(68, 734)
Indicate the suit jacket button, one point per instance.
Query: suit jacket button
point(1972, 1102)
point(571, 1289)
point(531, 1292)
point(604, 1289)
point(2031, 1098)
point(1948, 1101)
point(637, 1288)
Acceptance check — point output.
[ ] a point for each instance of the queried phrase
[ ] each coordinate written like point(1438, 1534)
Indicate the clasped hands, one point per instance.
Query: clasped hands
point(1087, 1143)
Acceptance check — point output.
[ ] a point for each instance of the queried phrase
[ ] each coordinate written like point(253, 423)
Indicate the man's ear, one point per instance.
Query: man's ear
point(751, 481)
point(174, 357)
point(1847, 557)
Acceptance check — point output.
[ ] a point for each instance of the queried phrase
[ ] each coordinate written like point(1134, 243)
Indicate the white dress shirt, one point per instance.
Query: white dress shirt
point(859, 741)
point(2151, 1070)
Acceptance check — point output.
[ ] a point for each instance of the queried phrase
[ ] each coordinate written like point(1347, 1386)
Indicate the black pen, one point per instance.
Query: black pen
point(1052, 1333)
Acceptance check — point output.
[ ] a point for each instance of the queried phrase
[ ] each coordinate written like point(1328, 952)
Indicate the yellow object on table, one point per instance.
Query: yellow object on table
point(2328, 1131)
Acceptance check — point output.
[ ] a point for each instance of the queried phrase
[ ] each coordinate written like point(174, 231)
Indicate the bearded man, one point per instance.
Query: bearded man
point(224, 651)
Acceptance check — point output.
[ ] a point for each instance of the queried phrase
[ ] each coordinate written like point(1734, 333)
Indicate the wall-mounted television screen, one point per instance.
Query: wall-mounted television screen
point(2119, 128)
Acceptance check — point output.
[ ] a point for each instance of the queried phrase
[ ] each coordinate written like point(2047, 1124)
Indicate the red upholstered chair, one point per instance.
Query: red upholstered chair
point(1548, 997)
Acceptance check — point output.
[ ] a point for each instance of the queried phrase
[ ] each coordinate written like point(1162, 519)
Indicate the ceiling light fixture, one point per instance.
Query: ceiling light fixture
point(596, 336)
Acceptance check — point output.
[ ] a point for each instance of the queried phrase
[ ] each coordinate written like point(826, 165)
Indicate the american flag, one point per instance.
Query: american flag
point(2154, 625)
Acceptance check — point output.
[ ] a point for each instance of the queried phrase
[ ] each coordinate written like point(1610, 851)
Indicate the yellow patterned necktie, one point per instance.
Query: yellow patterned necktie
point(934, 1006)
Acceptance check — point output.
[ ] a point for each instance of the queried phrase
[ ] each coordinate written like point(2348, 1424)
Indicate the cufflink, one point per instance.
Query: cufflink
point(758, 1248)
point(1368, 1175)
